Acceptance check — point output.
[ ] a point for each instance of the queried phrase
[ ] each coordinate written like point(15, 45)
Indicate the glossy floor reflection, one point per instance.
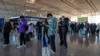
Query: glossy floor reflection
point(33, 48)
point(79, 46)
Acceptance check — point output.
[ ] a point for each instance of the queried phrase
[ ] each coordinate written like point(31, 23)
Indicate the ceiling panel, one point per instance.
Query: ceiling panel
point(97, 4)
point(82, 5)
point(61, 6)
point(57, 7)
point(2, 6)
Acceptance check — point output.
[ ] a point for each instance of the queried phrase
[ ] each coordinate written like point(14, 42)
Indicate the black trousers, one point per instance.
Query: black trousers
point(22, 39)
point(87, 30)
point(52, 42)
point(61, 39)
point(45, 32)
point(97, 31)
point(28, 36)
point(64, 39)
point(6, 37)
point(39, 36)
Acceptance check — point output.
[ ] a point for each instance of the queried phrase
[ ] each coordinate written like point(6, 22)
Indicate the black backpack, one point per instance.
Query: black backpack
point(26, 27)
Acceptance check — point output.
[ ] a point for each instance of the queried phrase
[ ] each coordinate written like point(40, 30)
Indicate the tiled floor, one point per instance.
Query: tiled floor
point(79, 46)
point(32, 49)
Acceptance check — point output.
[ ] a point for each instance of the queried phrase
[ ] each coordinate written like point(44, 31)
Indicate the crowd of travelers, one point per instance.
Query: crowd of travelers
point(49, 27)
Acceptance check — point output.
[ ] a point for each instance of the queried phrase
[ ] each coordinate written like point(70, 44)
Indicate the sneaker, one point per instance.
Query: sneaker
point(19, 47)
point(52, 51)
point(5, 45)
point(24, 45)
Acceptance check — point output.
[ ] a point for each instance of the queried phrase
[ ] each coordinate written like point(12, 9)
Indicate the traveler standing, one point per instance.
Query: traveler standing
point(6, 32)
point(39, 29)
point(98, 28)
point(22, 30)
point(87, 27)
point(82, 32)
point(93, 28)
point(60, 31)
point(72, 26)
point(52, 30)
point(65, 31)
point(30, 31)
point(45, 23)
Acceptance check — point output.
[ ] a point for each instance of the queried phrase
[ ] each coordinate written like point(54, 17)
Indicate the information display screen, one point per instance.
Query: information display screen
point(83, 19)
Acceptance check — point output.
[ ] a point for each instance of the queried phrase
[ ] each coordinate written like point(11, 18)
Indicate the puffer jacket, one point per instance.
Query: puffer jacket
point(22, 26)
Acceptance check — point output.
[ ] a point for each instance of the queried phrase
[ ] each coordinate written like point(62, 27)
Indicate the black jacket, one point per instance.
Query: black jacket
point(7, 27)
point(65, 24)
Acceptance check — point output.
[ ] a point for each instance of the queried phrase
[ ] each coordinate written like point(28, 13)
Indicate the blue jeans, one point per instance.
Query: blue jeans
point(64, 37)
point(39, 35)
point(52, 42)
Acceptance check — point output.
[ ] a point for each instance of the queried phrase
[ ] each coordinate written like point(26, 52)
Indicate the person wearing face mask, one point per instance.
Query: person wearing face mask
point(45, 31)
point(39, 29)
point(6, 32)
point(52, 30)
point(65, 31)
point(60, 30)
point(22, 30)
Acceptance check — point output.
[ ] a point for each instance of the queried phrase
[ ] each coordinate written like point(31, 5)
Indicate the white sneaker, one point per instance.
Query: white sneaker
point(5, 45)
point(19, 47)
point(24, 45)
point(52, 51)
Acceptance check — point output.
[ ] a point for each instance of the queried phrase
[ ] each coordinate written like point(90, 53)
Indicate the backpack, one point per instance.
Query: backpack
point(26, 27)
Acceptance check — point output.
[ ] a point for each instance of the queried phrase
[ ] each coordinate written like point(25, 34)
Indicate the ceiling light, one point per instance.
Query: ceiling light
point(33, 10)
point(30, 1)
point(43, 9)
point(28, 10)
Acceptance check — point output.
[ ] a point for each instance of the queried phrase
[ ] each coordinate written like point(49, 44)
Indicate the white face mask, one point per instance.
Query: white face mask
point(62, 19)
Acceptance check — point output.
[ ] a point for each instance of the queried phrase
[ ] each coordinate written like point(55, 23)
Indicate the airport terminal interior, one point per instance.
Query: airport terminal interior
point(49, 27)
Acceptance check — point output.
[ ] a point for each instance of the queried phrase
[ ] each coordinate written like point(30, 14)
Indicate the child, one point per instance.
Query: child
point(30, 32)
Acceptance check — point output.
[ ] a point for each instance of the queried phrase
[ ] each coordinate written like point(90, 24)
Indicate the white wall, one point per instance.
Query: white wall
point(94, 19)
point(74, 18)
